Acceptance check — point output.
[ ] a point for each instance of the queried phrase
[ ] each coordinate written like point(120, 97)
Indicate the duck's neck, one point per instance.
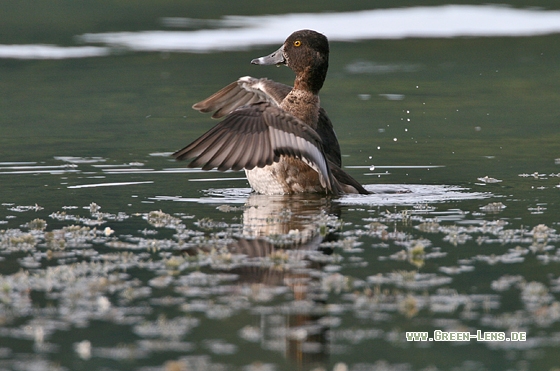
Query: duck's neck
point(303, 100)
point(302, 104)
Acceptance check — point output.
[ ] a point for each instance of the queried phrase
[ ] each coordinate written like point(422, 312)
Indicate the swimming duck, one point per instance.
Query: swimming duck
point(280, 135)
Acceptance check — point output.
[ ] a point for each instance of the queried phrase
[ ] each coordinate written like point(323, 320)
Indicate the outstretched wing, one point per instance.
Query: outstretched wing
point(256, 136)
point(245, 91)
point(249, 90)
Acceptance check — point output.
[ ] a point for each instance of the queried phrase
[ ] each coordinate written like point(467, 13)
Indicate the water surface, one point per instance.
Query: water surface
point(114, 256)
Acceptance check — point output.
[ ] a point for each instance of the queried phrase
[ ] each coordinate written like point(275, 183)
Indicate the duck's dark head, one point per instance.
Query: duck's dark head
point(306, 52)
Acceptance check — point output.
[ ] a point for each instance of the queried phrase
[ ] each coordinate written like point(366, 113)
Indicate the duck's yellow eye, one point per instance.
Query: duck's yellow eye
point(297, 43)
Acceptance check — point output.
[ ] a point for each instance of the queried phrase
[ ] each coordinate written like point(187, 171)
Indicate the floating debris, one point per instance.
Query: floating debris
point(457, 269)
point(36, 224)
point(22, 209)
point(80, 160)
point(429, 227)
point(493, 207)
point(535, 295)
point(12, 240)
point(165, 282)
point(159, 219)
point(175, 328)
point(108, 231)
point(488, 180)
point(417, 255)
point(83, 349)
point(410, 280)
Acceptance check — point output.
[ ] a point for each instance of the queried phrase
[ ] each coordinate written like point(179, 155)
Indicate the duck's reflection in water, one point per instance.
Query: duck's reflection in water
point(283, 244)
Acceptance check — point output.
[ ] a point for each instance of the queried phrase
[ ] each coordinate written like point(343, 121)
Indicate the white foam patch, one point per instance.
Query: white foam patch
point(411, 194)
point(425, 22)
point(40, 51)
point(244, 32)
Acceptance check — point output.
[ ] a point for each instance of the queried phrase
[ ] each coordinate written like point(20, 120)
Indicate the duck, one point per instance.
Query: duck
point(280, 135)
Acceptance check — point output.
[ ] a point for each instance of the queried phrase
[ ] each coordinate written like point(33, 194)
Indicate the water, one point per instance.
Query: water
point(114, 256)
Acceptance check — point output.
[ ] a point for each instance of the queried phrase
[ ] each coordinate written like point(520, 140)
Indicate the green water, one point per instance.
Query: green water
point(194, 273)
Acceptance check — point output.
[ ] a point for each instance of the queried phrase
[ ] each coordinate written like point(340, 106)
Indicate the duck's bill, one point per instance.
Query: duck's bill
point(275, 58)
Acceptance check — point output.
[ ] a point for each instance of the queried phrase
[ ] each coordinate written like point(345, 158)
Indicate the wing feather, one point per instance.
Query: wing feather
point(208, 148)
point(216, 100)
point(244, 91)
point(217, 156)
point(260, 155)
point(235, 100)
point(243, 160)
point(205, 160)
point(256, 136)
point(197, 147)
point(234, 153)
point(328, 136)
point(249, 90)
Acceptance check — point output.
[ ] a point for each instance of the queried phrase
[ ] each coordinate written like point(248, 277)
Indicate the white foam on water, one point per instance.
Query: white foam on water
point(42, 51)
point(411, 194)
point(244, 32)
point(425, 22)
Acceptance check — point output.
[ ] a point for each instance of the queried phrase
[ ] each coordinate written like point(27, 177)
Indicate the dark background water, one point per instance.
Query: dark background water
point(477, 107)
